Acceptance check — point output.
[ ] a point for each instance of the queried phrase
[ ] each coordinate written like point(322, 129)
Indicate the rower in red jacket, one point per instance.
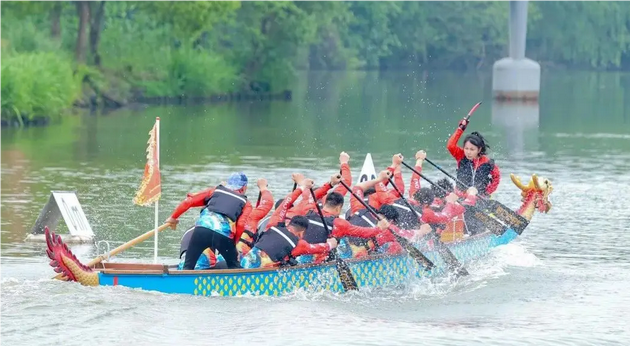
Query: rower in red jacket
point(280, 244)
point(443, 188)
point(385, 195)
point(336, 227)
point(375, 192)
point(360, 190)
point(358, 215)
point(425, 197)
point(262, 224)
point(308, 203)
point(474, 167)
point(407, 218)
point(262, 209)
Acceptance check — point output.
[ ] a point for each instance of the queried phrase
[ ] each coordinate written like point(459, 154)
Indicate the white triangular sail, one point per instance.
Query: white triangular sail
point(367, 172)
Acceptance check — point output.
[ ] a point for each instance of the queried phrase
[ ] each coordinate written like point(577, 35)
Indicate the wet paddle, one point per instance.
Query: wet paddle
point(413, 252)
point(500, 211)
point(448, 256)
point(497, 227)
point(345, 274)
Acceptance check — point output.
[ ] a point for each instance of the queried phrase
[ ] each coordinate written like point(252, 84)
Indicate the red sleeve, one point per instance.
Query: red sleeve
point(281, 212)
point(299, 208)
point(355, 205)
point(402, 232)
point(470, 200)
point(453, 209)
point(321, 192)
point(192, 200)
point(346, 176)
point(307, 203)
point(266, 203)
point(304, 248)
point(414, 185)
point(383, 195)
point(385, 237)
point(242, 221)
point(400, 184)
point(456, 151)
point(374, 202)
point(343, 228)
point(494, 183)
point(392, 170)
point(448, 213)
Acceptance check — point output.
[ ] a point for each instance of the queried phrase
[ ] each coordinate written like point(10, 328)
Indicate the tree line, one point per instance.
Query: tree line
point(115, 50)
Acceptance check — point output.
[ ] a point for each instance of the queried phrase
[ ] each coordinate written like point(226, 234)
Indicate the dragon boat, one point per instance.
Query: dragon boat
point(371, 271)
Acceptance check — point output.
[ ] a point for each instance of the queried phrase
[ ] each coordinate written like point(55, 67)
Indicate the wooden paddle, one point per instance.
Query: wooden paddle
point(345, 274)
point(413, 252)
point(495, 226)
point(450, 259)
point(121, 248)
point(500, 211)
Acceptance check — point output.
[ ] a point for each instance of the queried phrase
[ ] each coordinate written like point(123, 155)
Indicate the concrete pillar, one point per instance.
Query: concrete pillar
point(519, 123)
point(516, 78)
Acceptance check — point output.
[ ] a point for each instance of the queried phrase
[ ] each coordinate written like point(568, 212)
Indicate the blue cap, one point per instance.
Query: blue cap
point(236, 181)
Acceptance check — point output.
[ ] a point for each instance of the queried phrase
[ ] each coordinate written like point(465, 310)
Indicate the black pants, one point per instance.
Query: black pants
point(203, 238)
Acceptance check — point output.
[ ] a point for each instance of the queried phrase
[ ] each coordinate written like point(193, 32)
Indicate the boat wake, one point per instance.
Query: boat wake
point(483, 271)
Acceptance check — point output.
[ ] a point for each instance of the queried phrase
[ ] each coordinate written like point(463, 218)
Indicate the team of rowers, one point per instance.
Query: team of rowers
point(306, 226)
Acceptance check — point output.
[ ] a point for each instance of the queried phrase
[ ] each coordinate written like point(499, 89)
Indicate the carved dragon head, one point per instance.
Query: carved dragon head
point(537, 191)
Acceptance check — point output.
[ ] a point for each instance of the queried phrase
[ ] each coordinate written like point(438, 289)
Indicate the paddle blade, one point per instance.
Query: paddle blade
point(507, 215)
point(451, 261)
point(472, 110)
point(345, 275)
point(493, 225)
point(413, 252)
point(418, 256)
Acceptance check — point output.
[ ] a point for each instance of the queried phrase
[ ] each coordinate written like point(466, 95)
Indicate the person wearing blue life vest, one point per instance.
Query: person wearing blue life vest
point(221, 223)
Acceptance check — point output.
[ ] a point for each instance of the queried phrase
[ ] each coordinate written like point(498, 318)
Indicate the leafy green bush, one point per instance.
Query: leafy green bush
point(37, 84)
point(189, 72)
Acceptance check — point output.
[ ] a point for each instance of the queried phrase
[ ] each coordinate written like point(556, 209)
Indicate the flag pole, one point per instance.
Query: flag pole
point(157, 148)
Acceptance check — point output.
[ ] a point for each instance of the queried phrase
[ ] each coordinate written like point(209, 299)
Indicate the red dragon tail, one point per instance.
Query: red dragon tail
point(65, 262)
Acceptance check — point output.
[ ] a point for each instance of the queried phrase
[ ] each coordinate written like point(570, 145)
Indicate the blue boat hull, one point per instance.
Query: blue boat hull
point(378, 271)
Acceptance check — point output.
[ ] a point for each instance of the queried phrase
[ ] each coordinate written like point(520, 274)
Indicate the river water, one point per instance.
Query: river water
point(564, 282)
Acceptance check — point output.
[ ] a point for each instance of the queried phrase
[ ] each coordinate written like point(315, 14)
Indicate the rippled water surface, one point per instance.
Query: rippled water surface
point(564, 282)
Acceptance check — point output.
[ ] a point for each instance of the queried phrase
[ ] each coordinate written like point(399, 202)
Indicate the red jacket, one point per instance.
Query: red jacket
point(435, 217)
point(279, 215)
point(251, 227)
point(414, 184)
point(258, 213)
point(308, 203)
point(458, 153)
point(304, 248)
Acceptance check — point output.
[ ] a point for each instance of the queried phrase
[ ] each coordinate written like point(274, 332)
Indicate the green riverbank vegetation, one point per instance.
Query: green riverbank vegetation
point(59, 55)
